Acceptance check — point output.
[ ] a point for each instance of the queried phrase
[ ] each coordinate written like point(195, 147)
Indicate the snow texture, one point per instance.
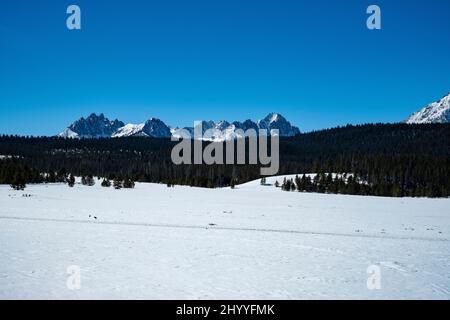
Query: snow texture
point(253, 242)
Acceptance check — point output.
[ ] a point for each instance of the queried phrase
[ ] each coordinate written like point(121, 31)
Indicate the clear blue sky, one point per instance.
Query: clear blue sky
point(315, 62)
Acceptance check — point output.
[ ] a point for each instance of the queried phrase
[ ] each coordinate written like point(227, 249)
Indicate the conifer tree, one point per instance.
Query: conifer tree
point(298, 183)
point(292, 185)
point(106, 183)
point(19, 182)
point(117, 183)
point(128, 183)
point(91, 180)
point(71, 181)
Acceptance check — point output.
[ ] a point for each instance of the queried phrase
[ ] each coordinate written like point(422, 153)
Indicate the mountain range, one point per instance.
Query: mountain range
point(98, 126)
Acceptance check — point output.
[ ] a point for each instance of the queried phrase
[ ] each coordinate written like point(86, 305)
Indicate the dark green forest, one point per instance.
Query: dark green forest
point(390, 160)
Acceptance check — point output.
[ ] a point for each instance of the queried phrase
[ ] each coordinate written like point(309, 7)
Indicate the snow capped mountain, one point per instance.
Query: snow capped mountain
point(68, 133)
point(151, 128)
point(99, 126)
point(130, 130)
point(222, 125)
point(94, 126)
point(156, 128)
point(277, 121)
point(436, 112)
point(223, 130)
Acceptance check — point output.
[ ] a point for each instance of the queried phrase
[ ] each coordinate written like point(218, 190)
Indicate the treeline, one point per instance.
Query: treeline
point(356, 185)
point(388, 157)
point(14, 173)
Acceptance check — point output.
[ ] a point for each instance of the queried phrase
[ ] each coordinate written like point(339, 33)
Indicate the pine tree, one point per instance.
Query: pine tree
point(19, 181)
point(117, 183)
point(90, 180)
point(298, 183)
point(307, 183)
point(61, 175)
point(106, 183)
point(292, 187)
point(128, 183)
point(51, 177)
point(71, 181)
point(284, 185)
point(277, 184)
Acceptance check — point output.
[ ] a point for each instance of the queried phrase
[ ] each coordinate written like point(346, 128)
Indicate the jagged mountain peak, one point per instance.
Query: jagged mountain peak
point(95, 116)
point(436, 112)
point(156, 128)
point(222, 125)
point(95, 126)
point(274, 117)
point(276, 121)
point(153, 127)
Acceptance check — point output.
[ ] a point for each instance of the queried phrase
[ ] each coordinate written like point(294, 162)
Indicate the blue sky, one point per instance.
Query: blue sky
point(315, 62)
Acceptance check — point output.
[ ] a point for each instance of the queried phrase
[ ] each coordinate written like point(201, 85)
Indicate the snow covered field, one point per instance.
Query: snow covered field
point(254, 242)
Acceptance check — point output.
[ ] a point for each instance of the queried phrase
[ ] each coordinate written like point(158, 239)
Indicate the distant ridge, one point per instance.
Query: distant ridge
point(98, 126)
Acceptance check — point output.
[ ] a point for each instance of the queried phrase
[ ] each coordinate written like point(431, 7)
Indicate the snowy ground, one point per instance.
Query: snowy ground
point(254, 242)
